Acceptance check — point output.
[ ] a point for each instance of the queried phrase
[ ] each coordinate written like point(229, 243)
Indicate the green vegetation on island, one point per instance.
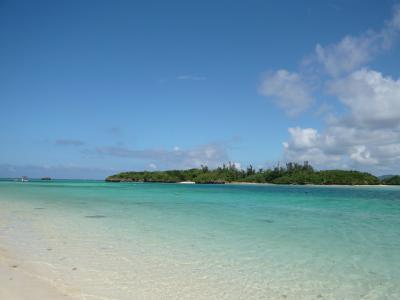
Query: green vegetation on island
point(392, 180)
point(291, 173)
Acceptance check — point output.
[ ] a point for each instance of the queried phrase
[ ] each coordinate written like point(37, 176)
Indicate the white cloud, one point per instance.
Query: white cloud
point(303, 138)
point(353, 52)
point(392, 26)
point(395, 22)
point(367, 137)
point(289, 91)
point(360, 154)
point(341, 147)
point(152, 166)
point(374, 100)
point(306, 144)
point(292, 91)
point(349, 54)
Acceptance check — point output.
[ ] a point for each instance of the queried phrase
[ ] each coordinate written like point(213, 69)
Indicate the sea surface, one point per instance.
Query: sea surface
point(101, 240)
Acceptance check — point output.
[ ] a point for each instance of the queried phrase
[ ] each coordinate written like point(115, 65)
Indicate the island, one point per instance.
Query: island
point(290, 173)
point(392, 180)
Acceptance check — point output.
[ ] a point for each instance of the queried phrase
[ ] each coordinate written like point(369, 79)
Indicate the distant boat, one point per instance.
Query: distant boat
point(46, 178)
point(24, 179)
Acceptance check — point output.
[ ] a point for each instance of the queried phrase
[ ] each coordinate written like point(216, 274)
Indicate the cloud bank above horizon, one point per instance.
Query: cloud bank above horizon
point(366, 134)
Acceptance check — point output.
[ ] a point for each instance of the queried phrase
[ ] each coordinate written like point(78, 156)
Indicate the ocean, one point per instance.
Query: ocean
point(99, 240)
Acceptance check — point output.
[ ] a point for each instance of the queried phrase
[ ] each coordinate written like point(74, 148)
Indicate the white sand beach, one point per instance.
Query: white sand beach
point(20, 283)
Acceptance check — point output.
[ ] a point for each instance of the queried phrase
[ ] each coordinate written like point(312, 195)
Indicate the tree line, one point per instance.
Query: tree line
point(289, 173)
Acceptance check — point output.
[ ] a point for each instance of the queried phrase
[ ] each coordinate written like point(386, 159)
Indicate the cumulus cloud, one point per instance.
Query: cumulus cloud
point(338, 146)
point(368, 136)
point(392, 26)
point(306, 144)
point(292, 90)
point(69, 142)
point(347, 55)
point(362, 155)
point(288, 89)
point(303, 138)
point(374, 100)
point(395, 22)
point(353, 52)
point(211, 155)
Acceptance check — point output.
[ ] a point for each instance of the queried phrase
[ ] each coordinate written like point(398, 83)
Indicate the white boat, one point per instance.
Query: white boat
point(24, 179)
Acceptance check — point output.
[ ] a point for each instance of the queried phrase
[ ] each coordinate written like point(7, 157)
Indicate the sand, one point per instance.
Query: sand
point(19, 283)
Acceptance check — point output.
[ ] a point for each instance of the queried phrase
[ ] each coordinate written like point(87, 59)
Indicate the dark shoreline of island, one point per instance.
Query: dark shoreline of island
point(291, 173)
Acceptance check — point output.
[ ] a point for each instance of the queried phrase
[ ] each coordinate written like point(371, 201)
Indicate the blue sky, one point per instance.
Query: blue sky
point(89, 88)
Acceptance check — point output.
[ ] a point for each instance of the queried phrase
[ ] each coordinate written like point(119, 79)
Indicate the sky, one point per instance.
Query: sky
point(91, 88)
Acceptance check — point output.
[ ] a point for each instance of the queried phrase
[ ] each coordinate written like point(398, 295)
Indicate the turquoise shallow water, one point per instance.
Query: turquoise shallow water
point(155, 241)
